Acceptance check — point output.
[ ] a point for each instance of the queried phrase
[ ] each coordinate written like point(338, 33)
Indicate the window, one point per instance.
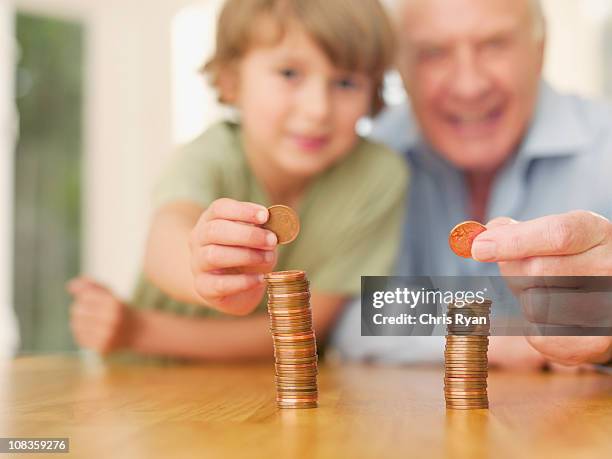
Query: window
point(47, 180)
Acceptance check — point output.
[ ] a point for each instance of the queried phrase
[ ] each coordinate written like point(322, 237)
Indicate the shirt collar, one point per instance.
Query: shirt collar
point(556, 129)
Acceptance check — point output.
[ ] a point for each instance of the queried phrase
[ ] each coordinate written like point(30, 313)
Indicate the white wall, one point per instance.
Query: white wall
point(574, 55)
point(128, 124)
point(8, 326)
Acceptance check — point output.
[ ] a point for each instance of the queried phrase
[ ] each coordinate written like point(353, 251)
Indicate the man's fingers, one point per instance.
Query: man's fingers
point(566, 234)
point(229, 209)
point(500, 221)
point(573, 350)
point(560, 306)
point(597, 260)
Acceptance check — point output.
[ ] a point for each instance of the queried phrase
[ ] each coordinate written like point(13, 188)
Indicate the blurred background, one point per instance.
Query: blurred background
point(95, 95)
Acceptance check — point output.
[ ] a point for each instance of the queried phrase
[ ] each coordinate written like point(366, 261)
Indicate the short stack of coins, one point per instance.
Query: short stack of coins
point(295, 345)
point(465, 356)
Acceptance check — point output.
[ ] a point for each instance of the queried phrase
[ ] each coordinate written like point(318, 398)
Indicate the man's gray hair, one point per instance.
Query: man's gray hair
point(396, 7)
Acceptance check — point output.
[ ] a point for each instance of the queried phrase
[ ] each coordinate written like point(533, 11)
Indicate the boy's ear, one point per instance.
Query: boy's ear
point(228, 84)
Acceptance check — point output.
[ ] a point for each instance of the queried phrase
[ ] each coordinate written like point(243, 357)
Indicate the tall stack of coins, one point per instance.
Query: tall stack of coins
point(295, 346)
point(465, 356)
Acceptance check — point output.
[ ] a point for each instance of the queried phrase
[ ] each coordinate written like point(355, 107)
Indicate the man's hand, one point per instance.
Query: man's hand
point(99, 320)
point(230, 253)
point(513, 353)
point(577, 243)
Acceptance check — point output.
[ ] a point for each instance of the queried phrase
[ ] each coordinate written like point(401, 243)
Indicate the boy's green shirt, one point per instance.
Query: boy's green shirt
point(350, 215)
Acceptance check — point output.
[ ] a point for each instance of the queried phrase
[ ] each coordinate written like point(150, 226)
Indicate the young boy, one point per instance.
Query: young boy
point(301, 73)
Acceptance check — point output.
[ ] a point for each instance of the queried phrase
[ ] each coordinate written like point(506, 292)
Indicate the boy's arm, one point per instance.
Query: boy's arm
point(159, 333)
point(167, 255)
point(102, 322)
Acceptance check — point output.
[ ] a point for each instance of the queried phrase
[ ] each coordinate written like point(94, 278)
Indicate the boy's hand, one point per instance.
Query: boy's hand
point(99, 320)
point(230, 253)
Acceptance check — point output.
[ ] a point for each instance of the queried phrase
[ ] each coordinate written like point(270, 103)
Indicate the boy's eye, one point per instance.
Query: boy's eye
point(346, 83)
point(288, 73)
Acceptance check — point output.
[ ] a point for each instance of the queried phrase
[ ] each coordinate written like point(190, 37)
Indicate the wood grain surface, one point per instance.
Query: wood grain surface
point(228, 411)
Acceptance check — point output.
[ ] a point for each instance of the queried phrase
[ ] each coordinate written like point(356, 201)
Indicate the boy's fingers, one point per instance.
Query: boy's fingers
point(225, 232)
point(92, 298)
point(215, 286)
point(229, 209)
point(242, 303)
point(77, 285)
point(214, 256)
point(85, 311)
point(83, 283)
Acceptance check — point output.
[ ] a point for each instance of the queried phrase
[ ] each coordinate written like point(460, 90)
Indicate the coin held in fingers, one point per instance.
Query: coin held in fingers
point(462, 237)
point(284, 222)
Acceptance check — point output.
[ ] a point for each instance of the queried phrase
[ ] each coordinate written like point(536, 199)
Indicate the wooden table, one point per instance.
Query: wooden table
point(227, 411)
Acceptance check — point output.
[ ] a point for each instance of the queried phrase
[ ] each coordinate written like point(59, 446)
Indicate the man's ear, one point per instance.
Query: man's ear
point(542, 44)
point(228, 84)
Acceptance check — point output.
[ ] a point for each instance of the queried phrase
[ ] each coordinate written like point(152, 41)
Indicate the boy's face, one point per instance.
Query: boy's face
point(298, 111)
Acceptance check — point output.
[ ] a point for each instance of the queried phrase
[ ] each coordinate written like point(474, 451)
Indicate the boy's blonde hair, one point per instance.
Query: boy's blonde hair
point(356, 36)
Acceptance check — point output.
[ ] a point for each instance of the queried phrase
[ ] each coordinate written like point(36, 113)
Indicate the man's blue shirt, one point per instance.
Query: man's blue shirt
point(564, 163)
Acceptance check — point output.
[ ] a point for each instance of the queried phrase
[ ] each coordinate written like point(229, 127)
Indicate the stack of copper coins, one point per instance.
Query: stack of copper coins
point(465, 356)
point(295, 346)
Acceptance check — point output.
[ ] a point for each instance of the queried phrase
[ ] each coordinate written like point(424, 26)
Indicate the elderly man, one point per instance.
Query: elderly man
point(485, 137)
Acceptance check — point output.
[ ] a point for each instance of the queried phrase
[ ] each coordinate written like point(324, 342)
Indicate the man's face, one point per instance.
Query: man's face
point(472, 69)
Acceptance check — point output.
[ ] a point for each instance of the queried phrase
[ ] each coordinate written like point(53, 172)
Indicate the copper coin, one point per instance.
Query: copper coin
point(288, 374)
point(465, 408)
point(295, 337)
point(459, 387)
point(472, 368)
point(457, 356)
point(297, 381)
point(284, 222)
point(466, 392)
point(296, 389)
point(288, 296)
point(296, 366)
point(462, 236)
point(475, 403)
point(470, 371)
point(462, 356)
point(466, 339)
point(292, 360)
point(299, 405)
point(310, 398)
